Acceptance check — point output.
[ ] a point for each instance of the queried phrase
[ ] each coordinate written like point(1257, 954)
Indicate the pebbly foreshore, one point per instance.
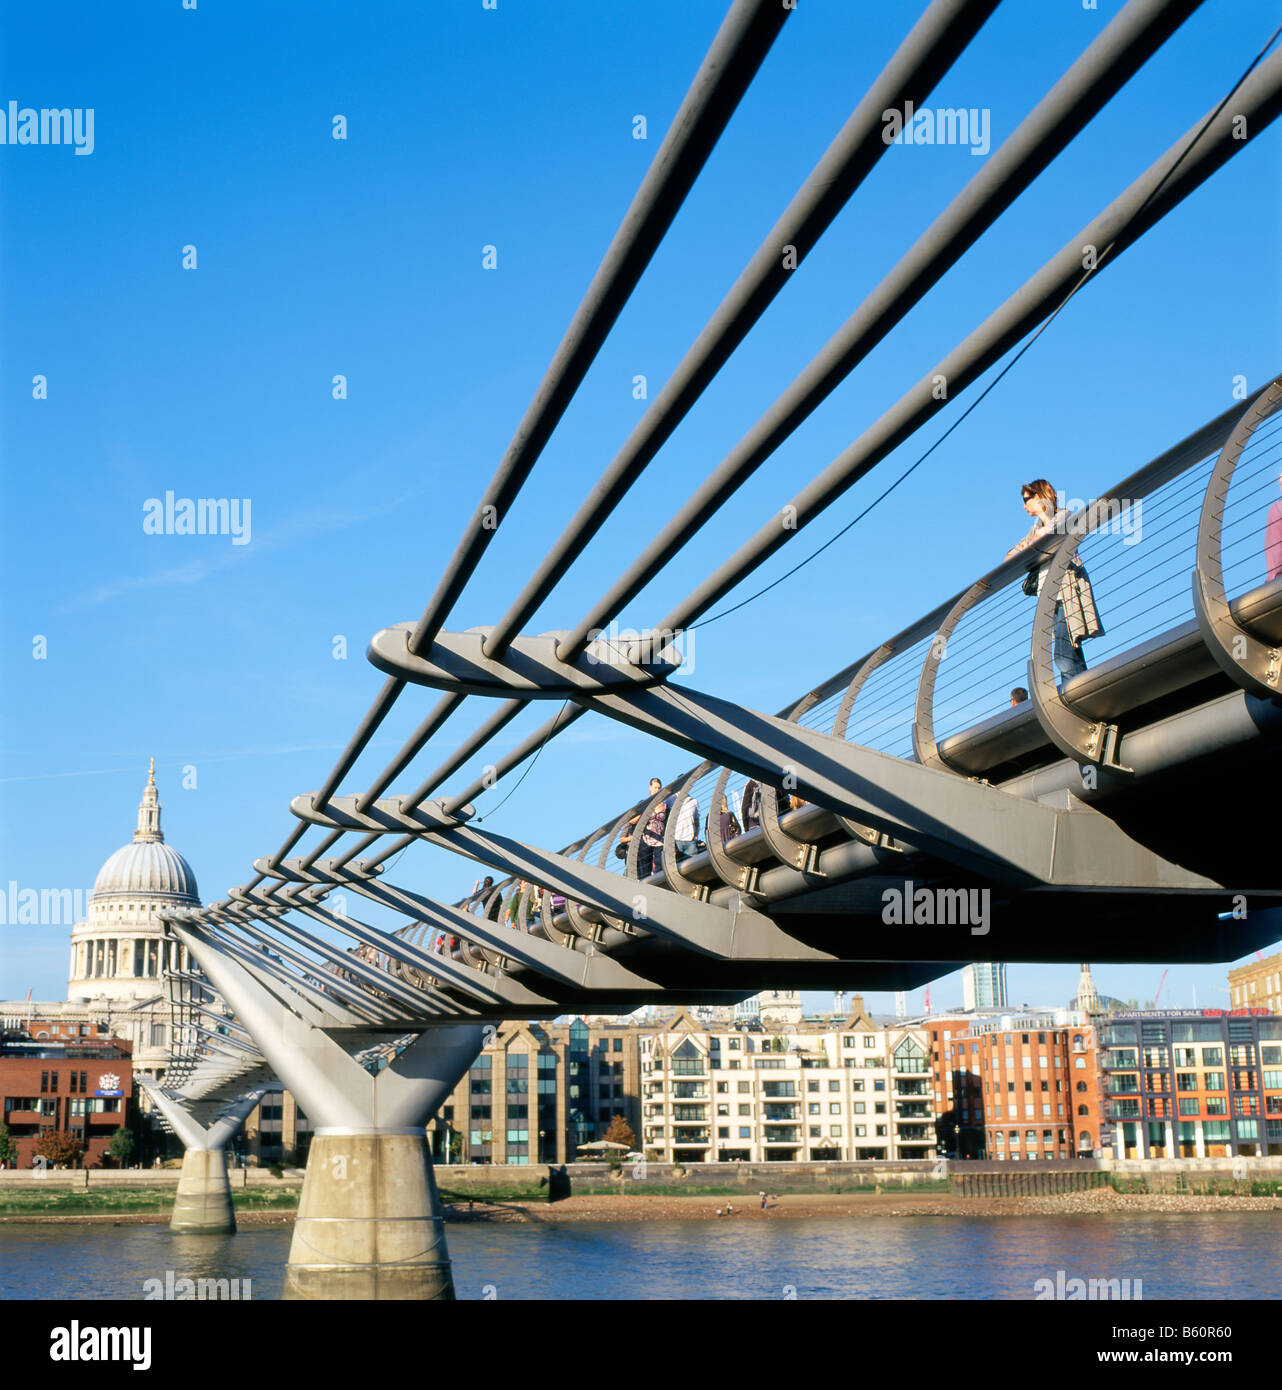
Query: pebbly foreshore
point(641, 1207)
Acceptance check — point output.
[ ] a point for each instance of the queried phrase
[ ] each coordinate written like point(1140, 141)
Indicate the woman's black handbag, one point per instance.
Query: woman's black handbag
point(1030, 581)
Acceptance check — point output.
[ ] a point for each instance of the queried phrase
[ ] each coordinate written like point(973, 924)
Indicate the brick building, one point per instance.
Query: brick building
point(84, 1087)
point(1018, 1086)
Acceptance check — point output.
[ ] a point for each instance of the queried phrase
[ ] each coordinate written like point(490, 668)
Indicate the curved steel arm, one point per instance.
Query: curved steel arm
point(924, 743)
point(1248, 662)
point(1086, 741)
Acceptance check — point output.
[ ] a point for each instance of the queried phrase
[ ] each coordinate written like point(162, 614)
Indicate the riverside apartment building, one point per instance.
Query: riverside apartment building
point(854, 1089)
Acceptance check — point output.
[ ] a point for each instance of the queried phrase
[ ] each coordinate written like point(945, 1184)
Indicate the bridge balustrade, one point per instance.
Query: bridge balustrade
point(940, 692)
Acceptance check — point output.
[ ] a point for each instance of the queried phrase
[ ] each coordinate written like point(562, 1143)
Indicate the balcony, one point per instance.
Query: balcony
point(776, 1114)
point(778, 1090)
point(913, 1112)
point(689, 1090)
point(690, 1114)
point(783, 1136)
point(691, 1137)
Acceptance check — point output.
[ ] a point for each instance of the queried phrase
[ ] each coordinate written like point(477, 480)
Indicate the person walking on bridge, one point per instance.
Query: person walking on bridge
point(1076, 618)
point(650, 859)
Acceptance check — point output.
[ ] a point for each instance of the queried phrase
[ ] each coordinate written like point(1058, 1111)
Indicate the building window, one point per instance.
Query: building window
point(744, 1087)
point(745, 1131)
point(722, 1087)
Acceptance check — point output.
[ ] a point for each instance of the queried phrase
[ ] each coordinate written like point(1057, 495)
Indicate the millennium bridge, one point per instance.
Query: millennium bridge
point(910, 814)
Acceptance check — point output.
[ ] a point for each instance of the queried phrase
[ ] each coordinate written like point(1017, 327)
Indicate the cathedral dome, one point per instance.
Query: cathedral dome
point(147, 867)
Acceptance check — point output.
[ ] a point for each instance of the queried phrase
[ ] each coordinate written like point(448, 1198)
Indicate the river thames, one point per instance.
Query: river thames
point(1234, 1255)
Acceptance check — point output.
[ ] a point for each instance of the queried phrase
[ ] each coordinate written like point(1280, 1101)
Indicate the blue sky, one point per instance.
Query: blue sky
point(362, 257)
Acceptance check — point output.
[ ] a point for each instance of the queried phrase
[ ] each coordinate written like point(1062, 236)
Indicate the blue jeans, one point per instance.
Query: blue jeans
point(687, 848)
point(649, 860)
point(1069, 660)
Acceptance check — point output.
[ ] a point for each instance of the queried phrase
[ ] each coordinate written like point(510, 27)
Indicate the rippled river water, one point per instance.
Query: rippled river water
point(1234, 1255)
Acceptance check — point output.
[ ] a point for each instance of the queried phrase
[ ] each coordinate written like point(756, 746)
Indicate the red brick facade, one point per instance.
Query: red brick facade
point(1029, 1090)
point(47, 1086)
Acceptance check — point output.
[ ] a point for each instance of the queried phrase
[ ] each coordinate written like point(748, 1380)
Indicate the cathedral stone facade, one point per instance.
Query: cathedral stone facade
point(119, 953)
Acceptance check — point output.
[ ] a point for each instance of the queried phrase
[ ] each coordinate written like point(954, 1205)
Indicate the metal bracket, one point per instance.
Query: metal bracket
point(801, 855)
point(530, 668)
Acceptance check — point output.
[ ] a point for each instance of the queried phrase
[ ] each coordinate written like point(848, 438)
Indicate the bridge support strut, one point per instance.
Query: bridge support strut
point(203, 1205)
point(370, 1223)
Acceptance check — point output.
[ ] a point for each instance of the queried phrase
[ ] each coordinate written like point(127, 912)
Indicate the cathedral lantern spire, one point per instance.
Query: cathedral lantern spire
point(1087, 995)
point(149, 830)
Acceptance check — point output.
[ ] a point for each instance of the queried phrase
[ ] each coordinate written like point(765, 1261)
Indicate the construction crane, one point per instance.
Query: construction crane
point(1160, 983)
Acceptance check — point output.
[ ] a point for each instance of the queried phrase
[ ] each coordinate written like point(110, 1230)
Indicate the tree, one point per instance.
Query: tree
point(58, 1147)
point(620, 1132)
point(8, 1149)
point(121, 1146)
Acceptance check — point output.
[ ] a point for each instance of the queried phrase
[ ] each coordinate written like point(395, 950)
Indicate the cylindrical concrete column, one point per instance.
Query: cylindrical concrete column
point(369, 1221)
point(203, 1205)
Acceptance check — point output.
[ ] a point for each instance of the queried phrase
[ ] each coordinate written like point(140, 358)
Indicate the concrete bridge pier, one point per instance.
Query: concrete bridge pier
point(203, 1205)
point(370, 1223)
